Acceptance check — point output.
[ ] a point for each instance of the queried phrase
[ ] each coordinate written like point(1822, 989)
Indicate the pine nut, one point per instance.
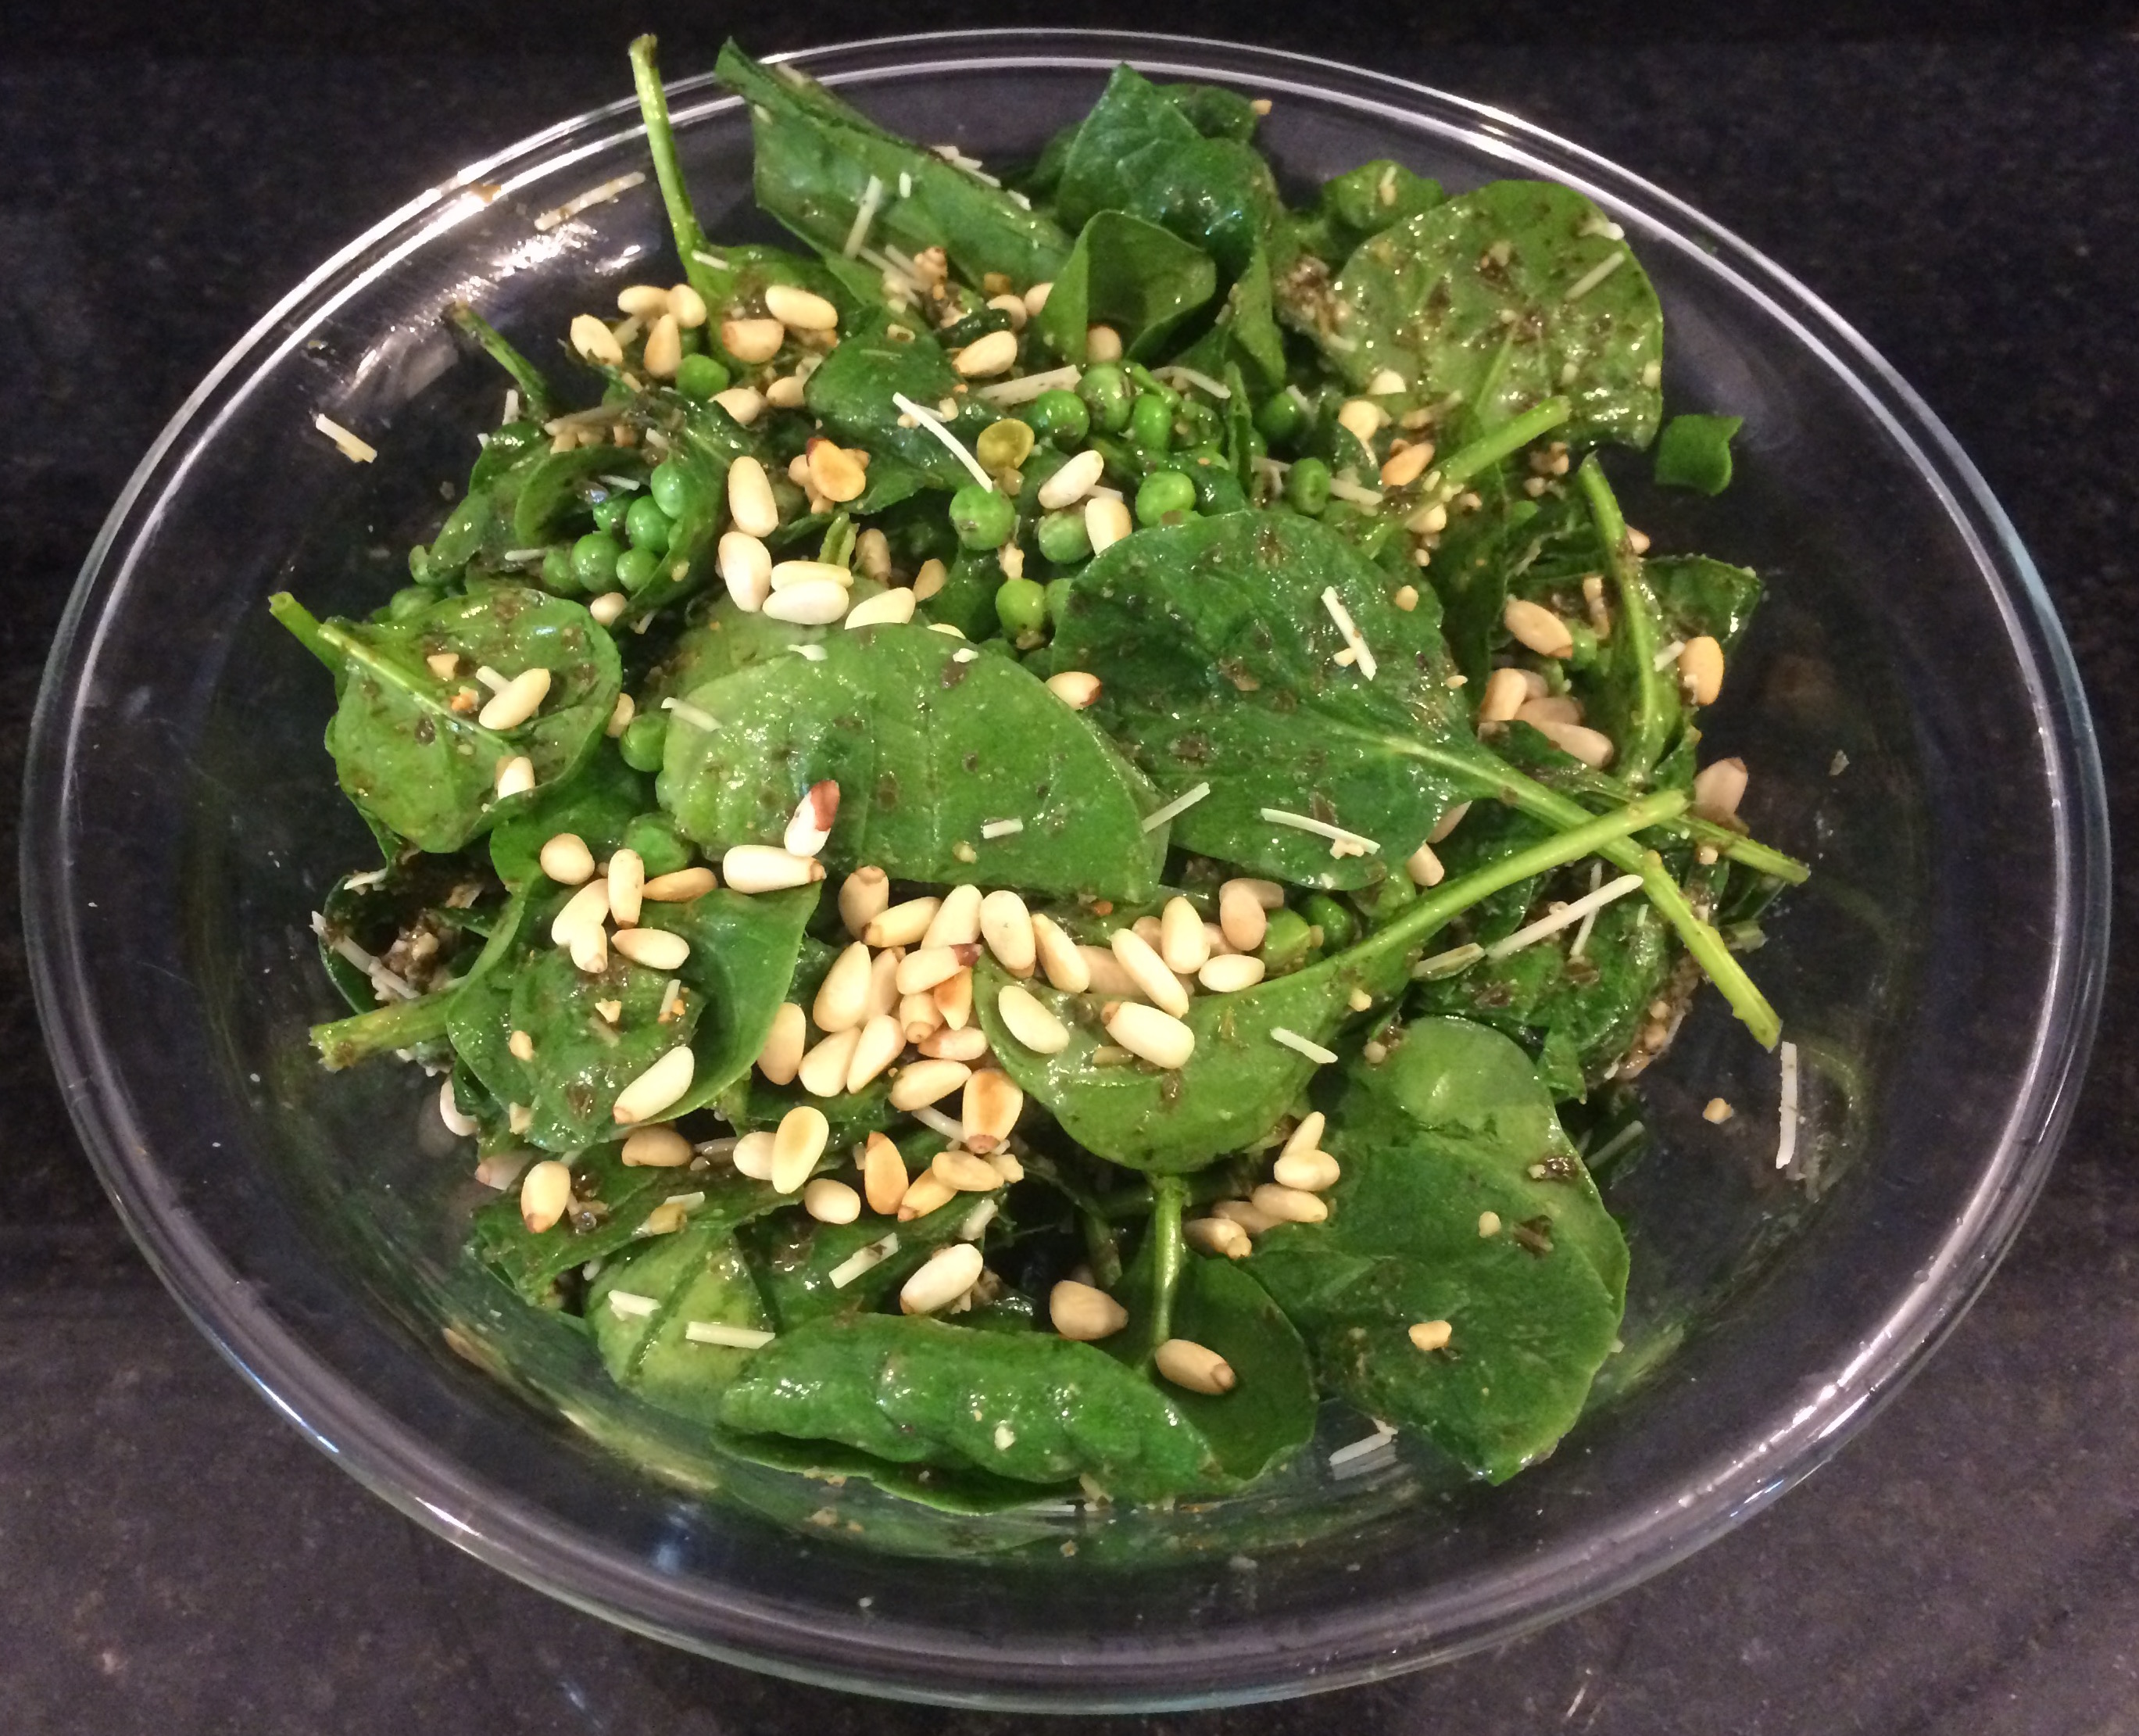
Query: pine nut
point(1553, 709)
point(516, 777)
point(1036, 298)
point(642, 301)
point(752, 1156)
point(1077, 477)
point(545, 1192)
point(1448, 822)
point(656, 949)
point(657, 1088)
point(920, 1016)
point(928, 1081)
point(877, 1047)
point(1006, 1165)
point(956, 921)
point(1029, 1022)
point(663, 353)
point(954, 998)
point(883, 1175)
point(1180, 941)
point(1241, 916)
point(656, 1148)
point(832, 467)
point(1701, 669)
point(1147, 929)
point(449, 1112)
point(944, 1043)
point(586, 908)
point(1288, 1205)
point(608, 609)
point(993, 1103)
point(842, 1000)
point(596, 341)
point(831, 1202)
point(1431, 1335)
point(761, 868)
point(864, 895)
point(929, 579)
point(688, 306)
point(1107, 521)
point(872, 555)
point(892, 608)
point(797, 1142)
point(1060, 957)
point(996, 353)
point(784, 1044)
point(948, 1274)
point(1194, 1367)
point(1405, 468)
point(752, 340)
point(901, 924)
point(1506, 694)
point(1424, 867)
point(751, 503)
point(1006, 927)
point(566, 859)
point(800, 310)
point(964, 1172)
point(1214, 937)
point(746, 566)
point(680, 887)
point(1537, 628)
point(620, 715)
point(1108, 975)
point(518, 700)
point(1718, 788)
point(1102, 344)
point(926, 966)
point(1075, 688)
point(1230, 973)
point(1084, 1314)
point(1430, 520)
point(1012, 305)
point(1148, 971)
point(1151, 1035)
point(1240, 1212)
point(811, 825)
point(1306, 1172)
point(1591, 746)
point(589, 946)
point(884, 995)
point(926, 1193)
point(814, 603)
point(1218, 1236)
point(743, 405)
point(786, 575)
point(626, 886)
point(823, 1072)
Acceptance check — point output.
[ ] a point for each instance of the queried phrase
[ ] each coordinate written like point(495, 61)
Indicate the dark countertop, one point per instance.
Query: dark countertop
point(179, 1561)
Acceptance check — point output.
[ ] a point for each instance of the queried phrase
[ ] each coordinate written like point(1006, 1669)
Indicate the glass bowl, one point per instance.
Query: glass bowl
point(1909, 706)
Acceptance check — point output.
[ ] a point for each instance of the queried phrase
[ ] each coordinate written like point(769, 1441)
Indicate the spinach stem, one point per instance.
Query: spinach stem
point(1169, 1195)
point(423, 691)
point(661, 141)
point(304, 627)
point(534, 389)
point(344, 1042)
point(1655, 705)
point(1495, 444)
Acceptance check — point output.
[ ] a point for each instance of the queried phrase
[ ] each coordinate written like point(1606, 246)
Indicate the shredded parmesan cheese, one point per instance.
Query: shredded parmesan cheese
point(1003, 393)
point(593, 196)
point(949, 1127)
point(1566, 917)
point(862, 1259)
point(1178, 375)
point(1313, 1051)
point(1786, 1143)
point(1001, 828)
point(1370, 499)
point(864, 215)
point(1352, 842)
point(1668, 655)
point(718, 1332)
point(1589, 916)
point(1594, 276)
point(928, 419)
point(1363, 1448)
point(355, 450)
point(1174, 809)
point(623, 1302)
point(1353, 639)
point(690, 714)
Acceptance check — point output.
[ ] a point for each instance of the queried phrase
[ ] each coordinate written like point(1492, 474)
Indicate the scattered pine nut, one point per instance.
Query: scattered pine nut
point(884, 995)
point(947, 1275)
point(1288, 1205)
point(655, 1090)
point(1060, 957)
point(545, 1193)
point(1245, 1214)
point(518, 700)
point(664, 348)
point(1083, 1314)
point(954, 997)
point(986, 356)
point(1241, 915)
point(814, 603)
point(743, 404)
point(1424, 867)
point(1218, 1236)
point(1537, 628)
point(1448, 822)
point(1431, 1335)
point(1075, 688)
point(1005, 926)
point(928, 1081)
point(761, 868)
point(919, 1013)
point(687, 305)
point(926, 966)
point(797, 1142)
point(823, 1072)
point(883, 1175)
point(586, 908)
point(656, 949)
point(957, 919)
point(1718, 788)
point(752, 1156)
point(1306, 1172)
point(892, 608)
point(656, 1148)
point(1151, 1035)
point(1147, 970)
point(1030, 1022)
point(596, 341)
point(901, 924)
point(1718, 1111)
point(516, 777)
point(1591, 746)
point(1506, 692)
point(877, 1047)
point(680, 887)
point(831, 1202)
point(1230, 973)
point(751, 504)
point(865, 895)
point(1077, 477)
point(608, 609)
point(627, 883)
point(566, 859)
point(963, 1172)
point(800, 310)
point(929, 579)
point(811, 825)
point(1306, 1136)
point(1489, 1224)
point(1194, 1367)
point(836, 471)
point(1181, 943)
point(752, 340)
point(993, 1103)
point(1102, 344)
point(944, 1043)
point(1107, 521)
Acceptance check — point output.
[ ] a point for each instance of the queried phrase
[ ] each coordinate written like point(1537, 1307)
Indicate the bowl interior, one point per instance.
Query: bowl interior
point(1904, 704)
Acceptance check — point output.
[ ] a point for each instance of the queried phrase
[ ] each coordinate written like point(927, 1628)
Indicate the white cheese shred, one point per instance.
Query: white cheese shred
point(625, 1303)
point(1594, 276)
point(593, 196)
point(1178, 375)
point(864, 1259)
point(712, 261)
point(720, 1333)
point(1354, 842)
point(1353, 639)
point(1001, 828)
point(1786, 1142)
point(1003, 393)
point(1566, 917)
point(690, 714)
point(1581, 944)
point(1667, 656)
point(1365, 1448)
point(929, 419)
point(1359, 496)
point(864, 215)
point(356, 450)
point(1294, 1041)
point(929, 1115)
point(1174, 809)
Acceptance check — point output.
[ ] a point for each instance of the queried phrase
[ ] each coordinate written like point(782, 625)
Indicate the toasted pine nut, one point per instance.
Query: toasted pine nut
point(655, 1089)
point(664, 348)
point(832, 467)
point(566, 859)
point(586, 908)
point(892, 608)
point(656, 1148)
point(996, 353)
point(680, 887)
point(782, 1053)
point(596, 341)
point(964, 1172)
point(926, 1193)
point(761, 868)
point(516, 777)
point(928, 1081)
point(449, 1112)
point(863, 896)
point(1431, 1335)
point(1219, 1236)
point(1553, 709)
point(873, 555)
point(1102, 344)
point(814, 603)
point(929, 579)
point(1424, 867)
point(1230, 973)
point(1075, 688)
point(1506, 692)
point(1180, 941)
point(831, 1202)
point(746, 566)
point(1059, 956)
point(1147, 929)
point(957, 919)
point(1240, 1212)
point(809, 827)
point(786, 575)
point(752, 340)
point(1448, 822)
point(842, 1000)
point(1307, 1172)
point(1306, 1136)
point(823, 1072)
point(1363, 419)
point(1030, 1022)
point(545, 1192)
point(926, 966)
point(744, 403)
point(589, 946)
point(1718, 788)
point(1194, 1367)
point(993, 1103)
point(797, 1142)
point(1083, 1314)
point(878, 1047)
point(800, 310)
point(1591, 746)
point(688, 306)
point(515, 701)
point(1537, 628)
point(944, 1043)
point(1012, 305)
point(1108, 975)
point(626, 886)
point(1405, 468)
point(883, 996)
point(1077, 477)
point(642, 301)
point(1158, 984)
point(656, 949)
point(883, 1175)
point(751, 503)
point(919, 1013)
point(901, 924)
point(1107, 521)
point(1288, 1205)
point(948, 1274)
point(1036, 298)
point(1700, 670)
point(620, 715)
point(1151, 1035)
point(752, 1156)
point(1006, 927)
point(954, 997)
point(1241, 915)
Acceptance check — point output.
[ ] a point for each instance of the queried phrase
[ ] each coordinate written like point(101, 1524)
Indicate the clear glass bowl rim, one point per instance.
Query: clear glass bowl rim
point(395, 1463)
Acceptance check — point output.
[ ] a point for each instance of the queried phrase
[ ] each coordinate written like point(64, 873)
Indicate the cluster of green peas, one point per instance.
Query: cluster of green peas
point(631, 533)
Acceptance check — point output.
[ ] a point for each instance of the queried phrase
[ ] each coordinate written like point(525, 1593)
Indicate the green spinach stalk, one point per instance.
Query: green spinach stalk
point(691, 242)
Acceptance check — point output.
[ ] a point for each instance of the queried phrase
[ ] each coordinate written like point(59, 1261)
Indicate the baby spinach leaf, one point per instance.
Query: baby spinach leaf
point(426, 920)
point(1361, 203)
point(1695, 594)
point(928, 740)
point(1694, 452)
point(694, 1274)
point(1129, 274)
point(1632, 700)
point(851, 394)
point(1533, 1308)
point(952, 1491)
point(816, 155)
point(795, 1259)
point(595, 805)
point(1213, 110)
point(552, 490)
point(426, 771)
point(1027, 1405)
point(1120, 148)
point(1498, 294)
point(1269, 1413)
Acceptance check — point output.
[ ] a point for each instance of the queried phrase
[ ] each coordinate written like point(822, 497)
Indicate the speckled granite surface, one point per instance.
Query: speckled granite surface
point(178, 1560)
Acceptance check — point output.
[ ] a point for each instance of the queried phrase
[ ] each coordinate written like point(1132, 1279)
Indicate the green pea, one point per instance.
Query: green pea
point(1061, 417)
point(1062, 538)
point(700, 376)
point(594, 561)
point(635, 568)
point(1307, 486)
point(647, 525)
point(1286, 942)
point(609, 512)
point(1058, 600)
point(1151, 423)
point(1381, 902)
point(1105, 392)
point(983, 518)
point(1339, 926)
point(1003, 445)
point(1280, 418)
point(409, 601)
point(672, 488)
point(1021, 605)
point(1164, 494)
point(645, 741)
point(660, 845)
point(557, 567)
point(419, 566)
